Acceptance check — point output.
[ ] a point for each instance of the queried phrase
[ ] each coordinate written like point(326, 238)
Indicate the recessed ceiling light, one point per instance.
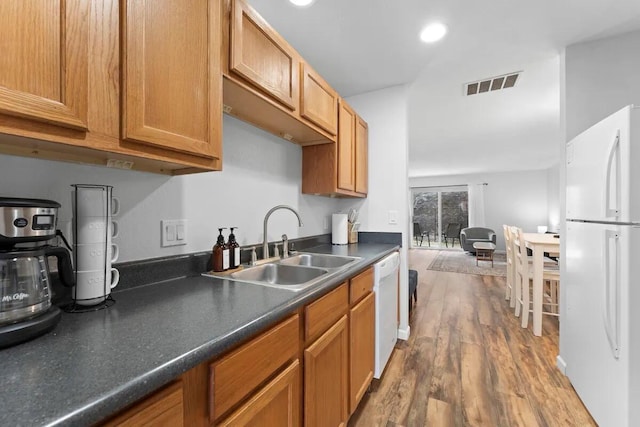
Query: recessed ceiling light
point(432, 32)
point(301, 3)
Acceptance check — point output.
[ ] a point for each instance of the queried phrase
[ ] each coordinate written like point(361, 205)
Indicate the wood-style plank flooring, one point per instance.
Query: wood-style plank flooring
point(469, 363)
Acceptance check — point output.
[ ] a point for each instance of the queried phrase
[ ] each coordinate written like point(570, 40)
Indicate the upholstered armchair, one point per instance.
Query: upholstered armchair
point(471, 235)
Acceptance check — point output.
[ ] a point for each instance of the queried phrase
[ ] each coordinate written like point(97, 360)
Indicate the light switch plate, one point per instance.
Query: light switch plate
point(173, 232)
point(393, 217)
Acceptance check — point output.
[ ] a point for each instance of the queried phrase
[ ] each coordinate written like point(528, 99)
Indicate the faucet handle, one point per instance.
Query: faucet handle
point(285, 246)
point(254, 256)
point(276, 252)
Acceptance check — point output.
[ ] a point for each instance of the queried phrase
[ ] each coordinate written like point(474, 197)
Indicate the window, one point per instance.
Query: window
point(436, 207)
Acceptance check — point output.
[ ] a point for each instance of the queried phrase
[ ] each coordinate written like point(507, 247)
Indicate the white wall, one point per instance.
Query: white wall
point(553, 198)
point(514, 198)
point(260, 171)
point(385, 111)
point(600, 77)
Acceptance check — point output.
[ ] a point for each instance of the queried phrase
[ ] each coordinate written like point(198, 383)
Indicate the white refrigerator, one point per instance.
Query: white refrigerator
point(600, 329)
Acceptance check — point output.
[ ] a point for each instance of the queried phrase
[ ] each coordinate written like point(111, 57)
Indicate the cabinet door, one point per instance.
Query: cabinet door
point(276, 404)
point(346, 143)
point(318, 101)
point(361, 357)
point(172, 78)
point(326, 378)
point(362, 156)
point(261, 56)
point(43, 70)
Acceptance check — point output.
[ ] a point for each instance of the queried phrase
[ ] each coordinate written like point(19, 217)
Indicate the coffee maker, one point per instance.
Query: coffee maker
point(25, 283)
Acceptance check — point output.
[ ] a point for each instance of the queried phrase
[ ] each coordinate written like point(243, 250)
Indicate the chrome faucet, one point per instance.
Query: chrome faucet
point(265, 246)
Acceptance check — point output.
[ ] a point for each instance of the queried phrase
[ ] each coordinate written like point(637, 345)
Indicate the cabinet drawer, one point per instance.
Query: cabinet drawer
point(361, 285)
point(163, 408)
point(236, 375)
point(276, 404)
point(324, 312)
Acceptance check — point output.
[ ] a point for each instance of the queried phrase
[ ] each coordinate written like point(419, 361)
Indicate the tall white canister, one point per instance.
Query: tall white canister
point(340, 229)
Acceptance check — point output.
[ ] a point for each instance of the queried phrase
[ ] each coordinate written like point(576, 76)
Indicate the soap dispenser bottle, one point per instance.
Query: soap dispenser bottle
point(234, 250)
point(220, 257)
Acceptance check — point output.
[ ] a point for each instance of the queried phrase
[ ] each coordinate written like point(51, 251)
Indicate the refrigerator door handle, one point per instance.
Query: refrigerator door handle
point(611, 286)
point(613, 156)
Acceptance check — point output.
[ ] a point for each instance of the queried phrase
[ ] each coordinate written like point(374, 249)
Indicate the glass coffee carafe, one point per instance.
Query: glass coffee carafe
point(24, 281)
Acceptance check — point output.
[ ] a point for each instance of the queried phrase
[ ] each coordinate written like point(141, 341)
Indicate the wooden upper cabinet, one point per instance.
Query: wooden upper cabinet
point(261, 56)
point(362, 156)
point(43, 61)
point(339, 169)
point(346, 147)
point(318, 101)
point(172, 77)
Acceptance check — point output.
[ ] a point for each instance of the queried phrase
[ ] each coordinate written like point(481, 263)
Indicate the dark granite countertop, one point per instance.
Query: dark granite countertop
point(94, 364)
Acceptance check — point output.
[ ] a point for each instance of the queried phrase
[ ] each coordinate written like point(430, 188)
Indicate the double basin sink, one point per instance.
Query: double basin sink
point(296, 272)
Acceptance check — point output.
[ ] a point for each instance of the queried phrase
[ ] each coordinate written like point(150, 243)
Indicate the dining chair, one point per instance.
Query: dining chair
point(509, 291)
point(524, 277)
point(451, 232)
point(419, 234)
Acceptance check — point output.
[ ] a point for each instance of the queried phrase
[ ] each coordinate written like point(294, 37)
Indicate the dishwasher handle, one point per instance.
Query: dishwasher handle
point(387, 266)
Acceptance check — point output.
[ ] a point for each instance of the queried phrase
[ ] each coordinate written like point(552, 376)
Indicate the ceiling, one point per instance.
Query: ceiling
point(365, 45)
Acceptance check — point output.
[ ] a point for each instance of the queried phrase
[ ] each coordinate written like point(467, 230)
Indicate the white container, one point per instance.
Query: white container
point(90, 257)
point(94, 200)
point(92, 230)
point(92, 287)
point(340, 229)
point(94, 253)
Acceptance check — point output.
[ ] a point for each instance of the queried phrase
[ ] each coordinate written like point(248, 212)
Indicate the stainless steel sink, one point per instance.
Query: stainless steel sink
point(281, 275)
point(319, 260)
point(295, 273)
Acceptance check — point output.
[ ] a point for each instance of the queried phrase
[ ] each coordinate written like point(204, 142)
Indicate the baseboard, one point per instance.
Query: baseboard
point(403, 334)
point(561, 364)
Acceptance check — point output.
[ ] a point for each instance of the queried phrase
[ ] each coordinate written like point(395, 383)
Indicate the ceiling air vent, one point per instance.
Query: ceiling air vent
point(494, 83)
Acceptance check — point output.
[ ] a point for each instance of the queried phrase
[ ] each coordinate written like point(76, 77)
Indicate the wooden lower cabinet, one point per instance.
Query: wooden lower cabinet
point(162, 408)
point(234, 377)
point(362, 348)
point(326, 378)
point(276, 404)
point(311, 369)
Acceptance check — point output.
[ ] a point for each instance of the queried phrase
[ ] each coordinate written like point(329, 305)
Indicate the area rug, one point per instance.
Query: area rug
point(463, 262)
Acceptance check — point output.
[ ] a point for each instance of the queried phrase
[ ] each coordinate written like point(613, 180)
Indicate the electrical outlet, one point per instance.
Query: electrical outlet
point(325, 223)
point(173, 232)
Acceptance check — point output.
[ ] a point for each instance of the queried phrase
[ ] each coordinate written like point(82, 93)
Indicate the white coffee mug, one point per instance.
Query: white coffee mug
point(92, 257)
point(91, 287)
point(92, 230)
point(94, 201)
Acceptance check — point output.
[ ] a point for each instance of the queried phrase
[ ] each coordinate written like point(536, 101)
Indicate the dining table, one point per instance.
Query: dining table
point(539, 243)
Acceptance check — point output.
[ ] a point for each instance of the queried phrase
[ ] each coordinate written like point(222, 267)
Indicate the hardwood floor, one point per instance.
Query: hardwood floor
point(469, 363)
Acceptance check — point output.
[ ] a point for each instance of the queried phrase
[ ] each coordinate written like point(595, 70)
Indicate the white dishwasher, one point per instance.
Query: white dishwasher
point(385, 286)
